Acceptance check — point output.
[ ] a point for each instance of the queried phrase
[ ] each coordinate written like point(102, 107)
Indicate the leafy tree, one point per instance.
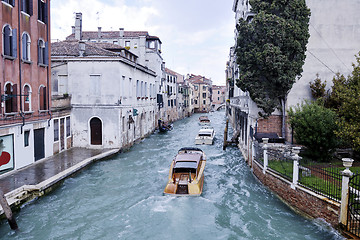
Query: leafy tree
point(318, 88)
point(345, 100)
point(271, 51)
point(314, 127)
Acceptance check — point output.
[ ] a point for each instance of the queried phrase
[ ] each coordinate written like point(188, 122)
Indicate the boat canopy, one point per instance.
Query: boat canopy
point(188, 157)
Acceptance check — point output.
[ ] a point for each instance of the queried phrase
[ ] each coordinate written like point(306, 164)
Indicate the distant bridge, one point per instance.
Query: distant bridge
point(217, 107)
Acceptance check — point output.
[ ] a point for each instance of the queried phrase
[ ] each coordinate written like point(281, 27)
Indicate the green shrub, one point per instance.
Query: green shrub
point(314, 127)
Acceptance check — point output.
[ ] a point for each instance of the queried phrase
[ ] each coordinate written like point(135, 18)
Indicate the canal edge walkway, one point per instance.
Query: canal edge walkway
point(30, 182)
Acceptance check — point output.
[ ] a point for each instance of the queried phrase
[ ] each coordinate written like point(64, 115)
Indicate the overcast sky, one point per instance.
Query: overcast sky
point(196, 35)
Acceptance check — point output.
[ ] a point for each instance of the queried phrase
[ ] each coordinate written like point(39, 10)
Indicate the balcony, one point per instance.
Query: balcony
point(241, 102)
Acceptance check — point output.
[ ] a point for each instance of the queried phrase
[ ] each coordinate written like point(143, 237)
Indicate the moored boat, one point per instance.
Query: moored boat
point(205, 135)
point(186, 174)
point(164, 127)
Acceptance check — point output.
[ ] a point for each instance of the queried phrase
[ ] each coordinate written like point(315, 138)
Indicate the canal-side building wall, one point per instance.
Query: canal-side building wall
point(146, 47)
point(113, 98)
point(25, 120)
point(332, 47)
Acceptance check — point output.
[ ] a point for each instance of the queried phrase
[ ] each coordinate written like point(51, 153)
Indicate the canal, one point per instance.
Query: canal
point(121, 198)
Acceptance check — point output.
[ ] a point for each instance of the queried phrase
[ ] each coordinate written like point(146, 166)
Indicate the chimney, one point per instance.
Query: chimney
point(99, 33)
point(121, 32)
point(81, 48)
point(73, 29)
point(78, 26)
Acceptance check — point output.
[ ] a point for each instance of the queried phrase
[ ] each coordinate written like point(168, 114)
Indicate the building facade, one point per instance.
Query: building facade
point(26, 129)
point(331, 48)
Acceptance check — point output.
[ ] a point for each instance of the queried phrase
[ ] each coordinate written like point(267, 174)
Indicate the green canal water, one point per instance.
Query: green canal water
point(121, 198)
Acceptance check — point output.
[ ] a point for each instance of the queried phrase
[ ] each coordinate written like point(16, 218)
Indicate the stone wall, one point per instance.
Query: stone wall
point(300, 199)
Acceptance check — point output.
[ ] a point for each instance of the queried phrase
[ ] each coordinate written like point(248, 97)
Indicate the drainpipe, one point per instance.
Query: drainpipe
point(20, 76)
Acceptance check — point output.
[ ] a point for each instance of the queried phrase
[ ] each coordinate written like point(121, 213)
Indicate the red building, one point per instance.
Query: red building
point(24, 83)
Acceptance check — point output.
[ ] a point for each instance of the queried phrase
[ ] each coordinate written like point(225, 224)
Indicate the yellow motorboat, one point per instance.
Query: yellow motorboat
point(186, 175)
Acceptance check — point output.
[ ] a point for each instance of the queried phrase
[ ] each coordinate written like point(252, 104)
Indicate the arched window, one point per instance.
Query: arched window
point(27, 98)
point(95, 131)
point(26, 42)
point(42, 98)
point(9, 41)
point(42, 52)
point(10, 98)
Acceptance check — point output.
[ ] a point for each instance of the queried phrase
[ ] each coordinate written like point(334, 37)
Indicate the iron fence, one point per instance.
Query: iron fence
point(323, 178)
point(353, 216)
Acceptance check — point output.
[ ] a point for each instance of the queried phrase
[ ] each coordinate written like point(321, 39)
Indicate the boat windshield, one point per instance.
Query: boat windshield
point(185, 167)
point(204, 134)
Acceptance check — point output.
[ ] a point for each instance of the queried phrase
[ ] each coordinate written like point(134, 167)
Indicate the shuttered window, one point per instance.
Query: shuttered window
point(10, 41)
point(27, 6)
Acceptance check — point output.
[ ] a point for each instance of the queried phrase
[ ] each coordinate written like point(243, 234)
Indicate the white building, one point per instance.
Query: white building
point(113, 98)
point(146, 47)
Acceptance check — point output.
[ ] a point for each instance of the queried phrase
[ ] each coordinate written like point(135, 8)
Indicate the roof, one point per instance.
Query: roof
point(71, 48)
point(88, 35)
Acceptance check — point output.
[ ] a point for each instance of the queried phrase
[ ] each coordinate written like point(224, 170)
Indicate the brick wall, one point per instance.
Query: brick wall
point(273, 124)
point(301, 201)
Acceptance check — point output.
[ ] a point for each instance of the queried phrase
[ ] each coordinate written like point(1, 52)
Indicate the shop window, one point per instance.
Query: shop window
point(56, 130)
point(68, 127)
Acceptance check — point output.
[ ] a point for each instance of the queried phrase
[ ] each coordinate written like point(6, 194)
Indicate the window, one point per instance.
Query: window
point(204, 101)
point(138, 88)
point(26, 138)
point(169, 103)
point(218, 92)
point(145, 90)
point(68, 126)
point(9, 42)
point(204, 88)
point(142, 89)
point(172, 103)
point(204, 95)
point(127, 44)
point(95, 88)
point(43, 52)
point(175, 102)
point(11, 2)
point(42, 11)
point(196, 88)
point(195, 101)
point(27, 6)
point(27, 98)
point(10, 98)
point(42, 98)
point(25, 46)
point(56, 130)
